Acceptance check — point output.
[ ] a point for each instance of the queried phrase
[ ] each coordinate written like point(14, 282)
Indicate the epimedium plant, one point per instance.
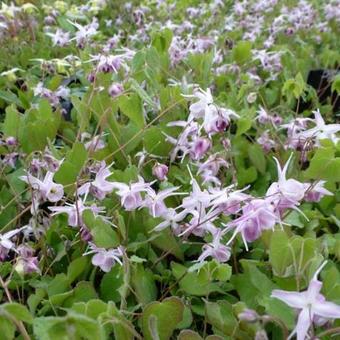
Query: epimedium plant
point(169, 170)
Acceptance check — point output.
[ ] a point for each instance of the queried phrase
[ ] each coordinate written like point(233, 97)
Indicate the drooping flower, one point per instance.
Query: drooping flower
point(171, 219)
point(160, 171)
point(285, 193)
point(311, 305)
point(200, 223)
point(315, 192)
point(199, 147)
point(95, 143)
point(201, 107)
point(43, 190)
point(257, 215)
point(84, 33)
point(197, 199)
point(155, 201)
point(105, 258)
point(215, 249)
point(100, 187)
point(183, 143)
point(27, 262)
point(115, 89)
point(210, 168)
point(321, 130)
point(60, 38)
point(266, 142)
point(130, 194)
point(227, 200)
point(6, 244)
point(75, 212)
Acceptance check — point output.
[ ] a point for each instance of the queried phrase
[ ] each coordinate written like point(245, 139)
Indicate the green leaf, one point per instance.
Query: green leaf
point(10, 97)
point(59, 284)
point(110, 284)
point(142, 93)
point(154, 142)
point(243, 125)
point(246, 176)
point(12, 122)
point(7, 329)
point(242, 52)
point(38, 126)
point(194, 283)
point(162, 40)
point(102, 233)
point(188, 334)
point(18, 311)
point(76, 268)
point(280, 255)
point(280, 310)
point(324, 165)
point(220, 315)
point(257, 157)
point(131, 106)
point(166, 315)
point(70, 168)
point(143, 284)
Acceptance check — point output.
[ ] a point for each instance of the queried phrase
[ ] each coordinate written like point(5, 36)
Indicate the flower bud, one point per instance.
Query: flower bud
point(160, 171)
point(248, 315)
point(11, 141)
point(251, 98)
point(199, 148)
point(261, 335)
point(115, 89)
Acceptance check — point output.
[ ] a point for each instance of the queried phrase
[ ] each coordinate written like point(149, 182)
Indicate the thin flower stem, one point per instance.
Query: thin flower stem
point(18, 323)
point(335, 330)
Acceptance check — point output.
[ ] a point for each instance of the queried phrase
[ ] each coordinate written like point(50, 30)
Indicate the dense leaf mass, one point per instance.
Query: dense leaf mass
point(169, 169)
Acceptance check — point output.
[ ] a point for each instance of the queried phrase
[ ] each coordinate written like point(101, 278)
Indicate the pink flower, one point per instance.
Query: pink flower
point(94, 144)
point(100, 187)
point(316, 192)
point(228, 201)
point(266, 142)
point(200, 108)
point(27, 261)
point(160, 171)
point(285, 193)
point(45, 190)
point(310, 303)
point(105, 258)
point(197, 199)
point(130, 195)
point(262, 116)
point(257, 215)
point(116, 89)
point(321, 130)
point(155, 202)
point(75, 212)
point(215, 249)
point(6, 244)
point(199, 148)
point(200, 223)
point(171, 219)
point(210, 168)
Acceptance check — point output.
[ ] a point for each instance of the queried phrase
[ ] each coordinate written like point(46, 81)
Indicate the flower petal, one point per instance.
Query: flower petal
point(292, 299)
point(327, 309)
point(302, 325)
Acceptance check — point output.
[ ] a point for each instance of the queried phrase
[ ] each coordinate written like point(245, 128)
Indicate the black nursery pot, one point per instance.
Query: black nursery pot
point(321, 81)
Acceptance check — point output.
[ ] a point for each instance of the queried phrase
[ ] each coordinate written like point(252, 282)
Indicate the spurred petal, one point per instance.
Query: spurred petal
point(292, 299)
point(314, 289)
point(318, 118)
